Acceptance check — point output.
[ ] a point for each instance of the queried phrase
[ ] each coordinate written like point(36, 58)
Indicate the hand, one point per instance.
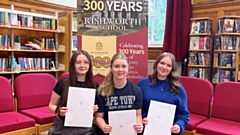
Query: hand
point(175, 129)
point(145, 121)
point(95, 108)
point(138, 127)
point(63, 111)
point(107, 129)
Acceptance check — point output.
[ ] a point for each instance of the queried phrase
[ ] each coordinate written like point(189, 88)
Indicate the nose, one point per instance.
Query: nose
point(164, 66)
point(120, 68)
point(81, 64)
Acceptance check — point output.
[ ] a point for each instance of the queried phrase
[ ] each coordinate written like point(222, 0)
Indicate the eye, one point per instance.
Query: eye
point(116, 66)
point(162, 63)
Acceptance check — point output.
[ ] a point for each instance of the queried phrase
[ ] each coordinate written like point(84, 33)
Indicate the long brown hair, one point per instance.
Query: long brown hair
point(72, 79)
point(172, 78)
point(107, 86)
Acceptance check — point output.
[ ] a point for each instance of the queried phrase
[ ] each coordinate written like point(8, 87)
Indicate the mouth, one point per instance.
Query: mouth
point(120, 74)
point(81, 69)
point(162, 70)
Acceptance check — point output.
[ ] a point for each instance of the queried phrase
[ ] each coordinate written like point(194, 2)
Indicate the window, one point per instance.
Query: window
point(156, 22)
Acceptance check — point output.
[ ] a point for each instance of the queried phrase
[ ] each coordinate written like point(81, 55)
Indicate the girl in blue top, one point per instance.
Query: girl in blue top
point(162, 85)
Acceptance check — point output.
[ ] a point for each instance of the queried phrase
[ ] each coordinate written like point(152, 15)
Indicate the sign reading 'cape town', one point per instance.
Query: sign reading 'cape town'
point(106, 27)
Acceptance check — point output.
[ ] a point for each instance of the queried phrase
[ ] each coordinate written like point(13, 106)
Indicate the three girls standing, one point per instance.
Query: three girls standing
point(162, 85)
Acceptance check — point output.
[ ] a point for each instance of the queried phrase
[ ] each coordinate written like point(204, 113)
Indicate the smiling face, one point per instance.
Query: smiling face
point(119, 69)
point(82, 65)
point(164, 68)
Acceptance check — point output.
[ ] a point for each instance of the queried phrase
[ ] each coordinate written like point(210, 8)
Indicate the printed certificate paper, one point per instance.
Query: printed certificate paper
point(122, 122)
point(160, 118)
point(80, 107)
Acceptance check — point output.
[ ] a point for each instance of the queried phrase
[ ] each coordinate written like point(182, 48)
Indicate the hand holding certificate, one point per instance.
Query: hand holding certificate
point(160, 118)
point(122, 122)
point(80, 107)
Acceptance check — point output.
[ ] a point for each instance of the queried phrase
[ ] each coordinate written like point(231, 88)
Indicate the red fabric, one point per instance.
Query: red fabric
point(10, 121)
point(199, 95)
point(33, 90)
point(6, 98)
point(177, 28)
point(42, 115)
point(64, 75)
point(225, 118)
point(195, 119)
point(226, 101)
point(99, 79)
point(215, 126)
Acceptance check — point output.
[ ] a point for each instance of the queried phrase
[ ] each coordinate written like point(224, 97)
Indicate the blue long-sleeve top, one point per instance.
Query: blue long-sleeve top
point(160, 92)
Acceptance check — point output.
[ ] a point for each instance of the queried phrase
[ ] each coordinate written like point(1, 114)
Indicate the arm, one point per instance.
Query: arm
point(182, 113)
point(53, 105)
point(99, 115)
point(143, 84)
point(139, 115)
point(101, 123)
point(139, 126)
point(138, 105)
point(53, 102)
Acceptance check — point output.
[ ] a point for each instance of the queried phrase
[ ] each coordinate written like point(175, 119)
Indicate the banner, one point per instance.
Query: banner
point(106, 27)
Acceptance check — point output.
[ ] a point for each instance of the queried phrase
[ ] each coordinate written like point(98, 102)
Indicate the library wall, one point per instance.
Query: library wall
point(153, 53)
point(34, 6)
point(215, 10)
point(46, 8)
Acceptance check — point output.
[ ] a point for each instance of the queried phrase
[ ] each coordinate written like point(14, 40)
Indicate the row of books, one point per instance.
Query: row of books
point(199, 58)
point(74, 42)
point(41, 44)
point(228, 25)
point(35, 63)
point(202, 73)
point(74, 21)
point(227, 43)
point(224, 59)
point(203, 43)
point(7, 64)
point(223, 76)
point(4, 42)
point(201, 26)
point(27, 21)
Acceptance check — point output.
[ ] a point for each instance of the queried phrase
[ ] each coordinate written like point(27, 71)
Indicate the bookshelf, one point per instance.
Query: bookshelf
point(200, 48)
point(73, 25)
point(32, 42)
point(226, 50)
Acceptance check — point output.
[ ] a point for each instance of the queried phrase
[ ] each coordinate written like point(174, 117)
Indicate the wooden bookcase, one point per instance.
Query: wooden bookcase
point(52, 30)
point(73, 31)
point(200, 48)
point(226, 50)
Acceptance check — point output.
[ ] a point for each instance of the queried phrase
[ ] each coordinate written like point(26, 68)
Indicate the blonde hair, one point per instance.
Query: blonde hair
point(107, 86)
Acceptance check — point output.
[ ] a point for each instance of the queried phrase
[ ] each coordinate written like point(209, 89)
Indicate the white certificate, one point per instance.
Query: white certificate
point(160, 118)
point(122, 122)
point(80, 107)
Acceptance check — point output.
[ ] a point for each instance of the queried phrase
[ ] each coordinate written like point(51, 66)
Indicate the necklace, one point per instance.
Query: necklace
point(162, 86)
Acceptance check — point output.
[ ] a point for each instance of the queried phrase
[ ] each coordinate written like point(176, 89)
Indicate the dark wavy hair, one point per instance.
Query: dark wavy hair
point(172, 78)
